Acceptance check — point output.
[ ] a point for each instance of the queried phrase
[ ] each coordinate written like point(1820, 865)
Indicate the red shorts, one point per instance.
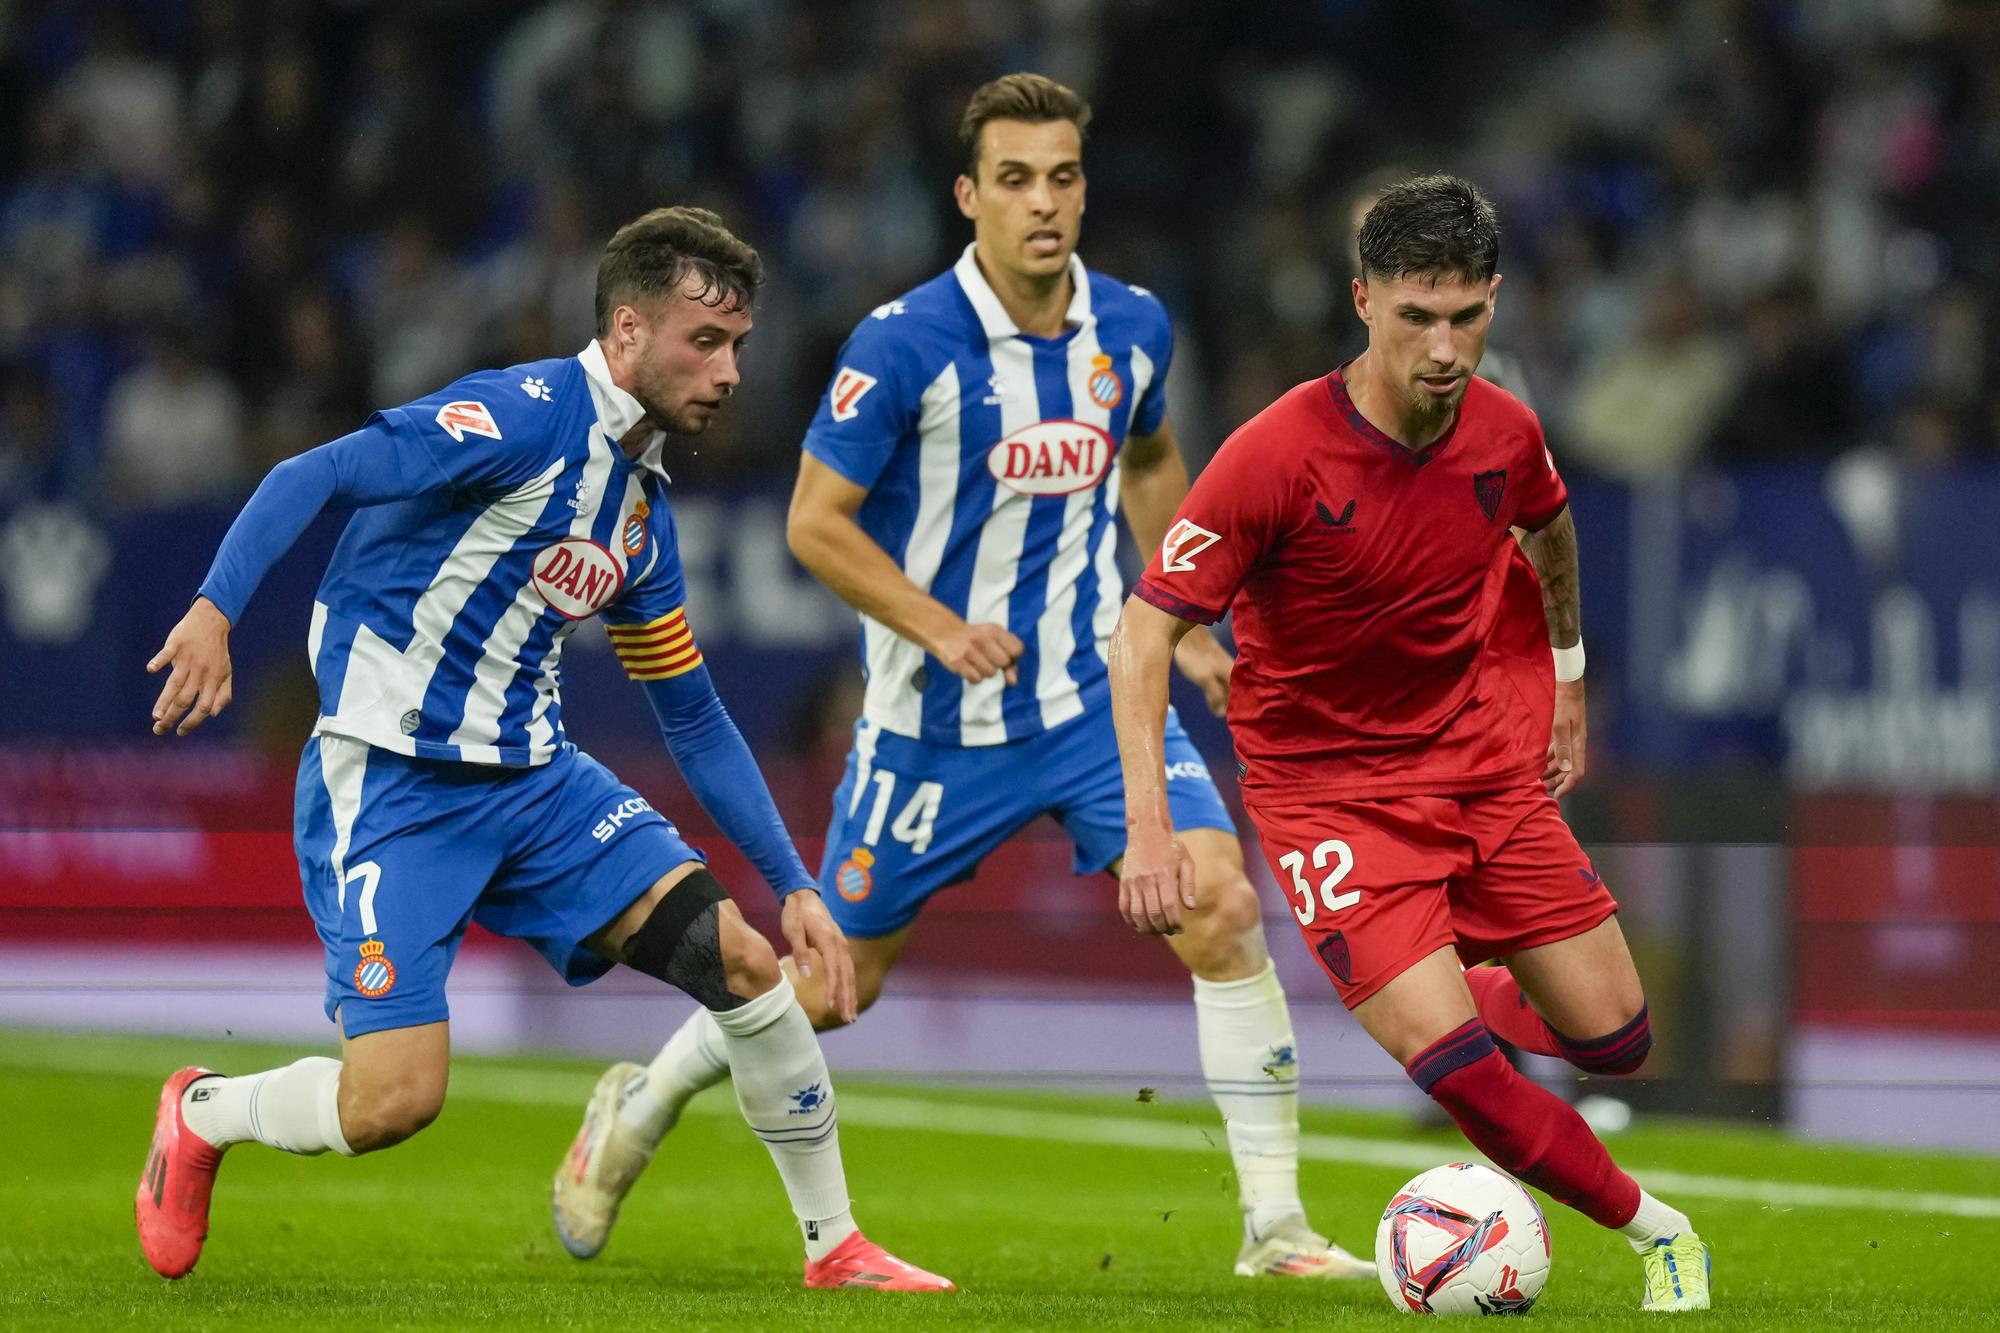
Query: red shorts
point(1378, 885)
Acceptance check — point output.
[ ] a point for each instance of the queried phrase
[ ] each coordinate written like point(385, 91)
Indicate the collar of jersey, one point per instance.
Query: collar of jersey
point(993, 315)
point(1343, 402)
point(618, 411)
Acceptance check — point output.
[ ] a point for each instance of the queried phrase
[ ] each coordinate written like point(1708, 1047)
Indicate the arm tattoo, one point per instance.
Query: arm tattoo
point(1553, 553)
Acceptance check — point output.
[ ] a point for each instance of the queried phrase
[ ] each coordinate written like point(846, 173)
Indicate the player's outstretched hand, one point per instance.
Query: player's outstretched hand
point(200, 683)
point(977, 651)
point(811, 932)
point(1155, 884)
point(1206, 663)
point(1565, 765)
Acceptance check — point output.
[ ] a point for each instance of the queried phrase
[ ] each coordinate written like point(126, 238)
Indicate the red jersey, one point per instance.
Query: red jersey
point(1389, 630)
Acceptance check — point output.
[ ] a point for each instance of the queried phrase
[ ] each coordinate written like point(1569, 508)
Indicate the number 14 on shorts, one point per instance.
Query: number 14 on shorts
point(914, 825)
point(1309, 904)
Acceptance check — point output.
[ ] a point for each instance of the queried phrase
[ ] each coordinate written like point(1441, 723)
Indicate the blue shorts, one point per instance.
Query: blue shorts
point(399, 855)
point(911, 817)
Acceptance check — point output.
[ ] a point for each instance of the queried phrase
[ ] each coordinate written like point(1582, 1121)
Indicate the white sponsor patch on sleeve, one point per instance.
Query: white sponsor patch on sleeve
point(459, 419)
point(1184, 541)
point(850, 386)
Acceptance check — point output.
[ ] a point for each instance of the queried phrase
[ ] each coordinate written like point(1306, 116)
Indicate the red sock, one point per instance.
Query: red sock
point(1528, 1131)
point(1507, 1013)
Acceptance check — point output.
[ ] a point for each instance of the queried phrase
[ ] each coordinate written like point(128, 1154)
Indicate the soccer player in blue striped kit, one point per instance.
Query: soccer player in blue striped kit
point(959, 489)
point(494, 517)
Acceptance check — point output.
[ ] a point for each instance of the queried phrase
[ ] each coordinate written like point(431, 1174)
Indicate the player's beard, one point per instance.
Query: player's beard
point(689, 420)
point(682, 418)
point(1428, 410)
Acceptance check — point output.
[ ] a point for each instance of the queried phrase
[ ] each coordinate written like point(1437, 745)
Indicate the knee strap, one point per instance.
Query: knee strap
point(681, 942)
point(1620, 1052)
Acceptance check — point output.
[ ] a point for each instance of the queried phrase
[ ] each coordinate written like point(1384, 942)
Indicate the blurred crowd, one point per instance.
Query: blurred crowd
point(1734, 229)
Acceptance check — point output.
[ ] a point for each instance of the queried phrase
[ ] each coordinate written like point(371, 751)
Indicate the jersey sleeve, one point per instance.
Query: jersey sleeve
point(648, 624)
point(1543, 495)
point(477, 433)
point(649, 631)
point(1158, 345)
point(871, 404)
point(1232, 515)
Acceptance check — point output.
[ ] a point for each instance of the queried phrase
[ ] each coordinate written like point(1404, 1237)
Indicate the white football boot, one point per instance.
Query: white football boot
point(604, 1160)
point(1291, 1248)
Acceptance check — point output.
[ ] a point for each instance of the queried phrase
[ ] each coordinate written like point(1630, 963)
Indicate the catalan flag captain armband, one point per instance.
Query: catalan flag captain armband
point(1569, 661)
point(657, 649)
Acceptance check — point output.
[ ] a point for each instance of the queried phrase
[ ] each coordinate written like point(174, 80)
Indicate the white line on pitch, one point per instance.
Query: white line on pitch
point(888, 1111)
point(873, 1110)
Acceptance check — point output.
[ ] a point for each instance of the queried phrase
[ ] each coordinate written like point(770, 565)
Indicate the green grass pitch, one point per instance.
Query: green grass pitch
point(452, 1231)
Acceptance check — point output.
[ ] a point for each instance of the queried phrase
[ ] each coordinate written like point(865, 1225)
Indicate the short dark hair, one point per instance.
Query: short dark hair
point(1034, 98)
point(1433, 226)
point(655, 253)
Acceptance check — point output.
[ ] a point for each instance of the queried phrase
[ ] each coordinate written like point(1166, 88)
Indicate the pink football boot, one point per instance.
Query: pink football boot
point(860, 1262)
point(172, 1202)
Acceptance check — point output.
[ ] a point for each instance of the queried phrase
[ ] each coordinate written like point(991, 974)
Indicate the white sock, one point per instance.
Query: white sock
point(1247, 1056)
point(786, 1097)
point(1654, 1221)
point(692, 1059)
point(295, 1109)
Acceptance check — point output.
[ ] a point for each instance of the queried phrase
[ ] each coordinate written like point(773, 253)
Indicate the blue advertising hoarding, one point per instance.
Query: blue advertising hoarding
point(1839, 624)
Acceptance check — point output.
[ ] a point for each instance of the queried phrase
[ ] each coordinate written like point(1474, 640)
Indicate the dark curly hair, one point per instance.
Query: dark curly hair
point(655, 253)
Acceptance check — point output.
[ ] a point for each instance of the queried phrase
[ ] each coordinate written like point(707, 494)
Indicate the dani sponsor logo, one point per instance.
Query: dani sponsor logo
point(1058, 457)
point(577, 577)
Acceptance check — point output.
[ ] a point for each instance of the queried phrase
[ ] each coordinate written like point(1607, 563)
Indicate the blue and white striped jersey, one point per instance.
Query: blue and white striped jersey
point(439, 628)
point(991, 462)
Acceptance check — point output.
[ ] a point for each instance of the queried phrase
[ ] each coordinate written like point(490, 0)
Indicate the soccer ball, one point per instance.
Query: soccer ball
point(1462, 1239)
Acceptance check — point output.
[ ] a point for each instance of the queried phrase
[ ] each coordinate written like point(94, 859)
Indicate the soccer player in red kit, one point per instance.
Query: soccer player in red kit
point(1407, 705)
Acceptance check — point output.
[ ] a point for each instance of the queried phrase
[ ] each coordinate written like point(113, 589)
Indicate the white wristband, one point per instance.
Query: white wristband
point(1569, 662)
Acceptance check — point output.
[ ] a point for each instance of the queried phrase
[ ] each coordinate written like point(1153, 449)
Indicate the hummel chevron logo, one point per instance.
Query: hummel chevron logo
point(1326, 515)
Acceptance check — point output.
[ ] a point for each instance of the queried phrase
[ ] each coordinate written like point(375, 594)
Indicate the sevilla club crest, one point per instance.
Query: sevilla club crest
point(1332, 951)
point(1487, 488)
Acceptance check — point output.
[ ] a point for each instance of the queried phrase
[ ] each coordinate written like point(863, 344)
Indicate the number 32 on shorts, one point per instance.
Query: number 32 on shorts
point(1307, 907)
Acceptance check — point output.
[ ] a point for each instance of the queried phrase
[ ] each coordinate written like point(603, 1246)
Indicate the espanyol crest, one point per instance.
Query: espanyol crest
point(1055, 457)
point(577, 577)
point(1106, 389)
point(374, 975)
